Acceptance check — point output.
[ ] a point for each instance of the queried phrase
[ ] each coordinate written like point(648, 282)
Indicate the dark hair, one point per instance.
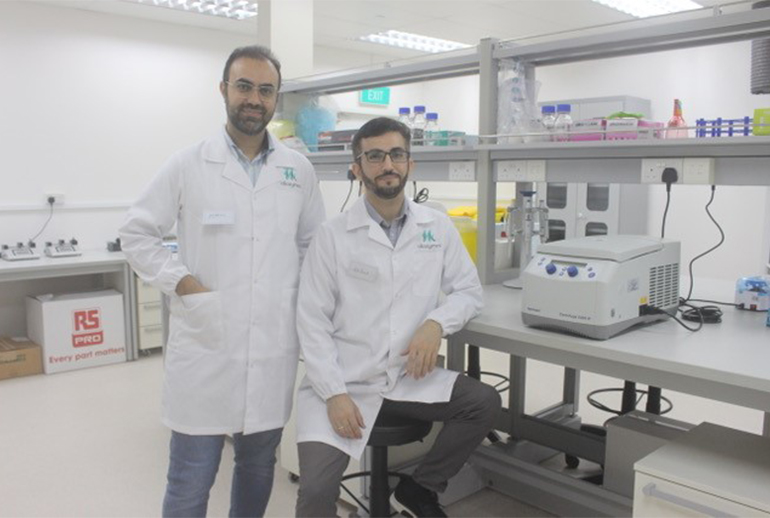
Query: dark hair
point(254, 52)
point(377, 127)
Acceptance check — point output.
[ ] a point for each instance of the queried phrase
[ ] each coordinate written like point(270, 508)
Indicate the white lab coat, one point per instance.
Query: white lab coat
point(361, 301)
point(231, 357)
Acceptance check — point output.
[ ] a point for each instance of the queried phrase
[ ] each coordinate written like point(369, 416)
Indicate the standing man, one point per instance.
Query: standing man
point(245, 208)
point(371, 315)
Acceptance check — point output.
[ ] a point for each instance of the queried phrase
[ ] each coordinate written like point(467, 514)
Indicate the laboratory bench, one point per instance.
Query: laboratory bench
point(93, 270)
point(725, 362)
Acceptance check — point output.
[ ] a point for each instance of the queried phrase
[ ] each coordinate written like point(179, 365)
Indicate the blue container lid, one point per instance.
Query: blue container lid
point(419, 109)
point(431, 116)
point(563, 108)
point(404, 111)
point(548, 109)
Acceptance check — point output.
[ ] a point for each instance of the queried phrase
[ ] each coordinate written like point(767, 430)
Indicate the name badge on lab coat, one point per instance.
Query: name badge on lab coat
point(219, 217)
point(366, 272)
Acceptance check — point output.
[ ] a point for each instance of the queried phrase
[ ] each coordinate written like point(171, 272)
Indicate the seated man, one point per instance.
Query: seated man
point(370, 318)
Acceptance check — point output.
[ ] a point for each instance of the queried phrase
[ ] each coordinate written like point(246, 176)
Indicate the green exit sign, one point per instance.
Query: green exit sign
point(379, 96)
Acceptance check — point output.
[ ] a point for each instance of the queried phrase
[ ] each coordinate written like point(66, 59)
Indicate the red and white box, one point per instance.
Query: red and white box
point(78, 330)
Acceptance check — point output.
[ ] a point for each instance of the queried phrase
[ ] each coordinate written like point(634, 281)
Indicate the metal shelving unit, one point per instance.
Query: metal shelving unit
point(738, 161)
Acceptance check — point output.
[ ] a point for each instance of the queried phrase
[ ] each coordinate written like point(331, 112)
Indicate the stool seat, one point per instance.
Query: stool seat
point(395, 430)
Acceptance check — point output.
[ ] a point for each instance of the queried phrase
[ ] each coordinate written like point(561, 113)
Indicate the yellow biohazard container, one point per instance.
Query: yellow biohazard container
point(467, 229)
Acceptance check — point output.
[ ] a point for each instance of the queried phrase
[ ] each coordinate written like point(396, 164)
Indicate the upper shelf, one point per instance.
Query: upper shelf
point(738, 160)
point(710, 30)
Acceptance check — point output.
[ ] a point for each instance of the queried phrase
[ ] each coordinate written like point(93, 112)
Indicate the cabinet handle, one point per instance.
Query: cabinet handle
point(151, 306)
point(653, 492)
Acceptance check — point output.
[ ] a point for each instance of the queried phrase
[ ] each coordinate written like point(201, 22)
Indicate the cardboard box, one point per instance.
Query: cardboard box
point(589, 129)
point(78, 330)
point(19, 357)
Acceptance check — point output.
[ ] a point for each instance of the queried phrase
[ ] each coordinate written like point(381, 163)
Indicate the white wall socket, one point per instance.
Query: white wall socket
point(59, 197)
point(462, 171)
point(512, 171)
point(521, 171)
point(699, 171)
point(652, 169)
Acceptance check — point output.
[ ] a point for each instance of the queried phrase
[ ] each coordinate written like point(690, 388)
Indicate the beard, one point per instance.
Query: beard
point(385, 192)
point(248, 124)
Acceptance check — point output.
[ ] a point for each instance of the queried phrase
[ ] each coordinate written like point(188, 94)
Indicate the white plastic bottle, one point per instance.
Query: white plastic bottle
point(548, 121)
point(405, 116)
point(431, 129)
point(563, 124)
point(418, 125)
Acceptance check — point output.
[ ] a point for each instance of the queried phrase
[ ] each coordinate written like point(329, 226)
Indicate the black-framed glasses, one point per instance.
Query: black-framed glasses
point(397, 155)
point(246, 88)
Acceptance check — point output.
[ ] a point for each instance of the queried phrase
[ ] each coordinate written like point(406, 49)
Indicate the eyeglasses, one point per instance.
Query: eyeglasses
point(246, 88)
point(377, 156)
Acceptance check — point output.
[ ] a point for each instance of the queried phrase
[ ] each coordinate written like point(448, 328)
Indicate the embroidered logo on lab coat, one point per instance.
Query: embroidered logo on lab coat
point(288, 178)
point(428, 241)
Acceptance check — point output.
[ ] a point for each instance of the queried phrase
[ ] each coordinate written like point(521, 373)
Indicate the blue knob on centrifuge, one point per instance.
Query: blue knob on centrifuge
point(572, 271)
point(550, 268)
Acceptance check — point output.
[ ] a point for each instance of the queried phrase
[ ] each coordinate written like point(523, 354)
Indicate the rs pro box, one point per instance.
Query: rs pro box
point(78, 330)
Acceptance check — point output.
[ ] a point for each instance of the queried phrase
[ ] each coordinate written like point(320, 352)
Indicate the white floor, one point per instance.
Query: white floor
point(90, 443)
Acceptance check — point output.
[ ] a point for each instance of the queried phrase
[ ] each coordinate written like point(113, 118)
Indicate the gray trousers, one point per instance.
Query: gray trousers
point(468, 416)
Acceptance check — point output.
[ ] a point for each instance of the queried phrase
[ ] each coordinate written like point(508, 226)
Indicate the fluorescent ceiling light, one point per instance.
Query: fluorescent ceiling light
point(413, 41)
point(647, 8)
point(233, 9)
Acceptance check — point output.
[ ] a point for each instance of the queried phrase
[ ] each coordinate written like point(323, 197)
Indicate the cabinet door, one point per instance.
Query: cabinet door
point(597, 209)
point(561, 198)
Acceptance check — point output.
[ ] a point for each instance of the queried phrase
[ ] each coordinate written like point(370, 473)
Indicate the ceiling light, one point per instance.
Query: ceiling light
point(233, 9)
point(647, 8)
point(413, 41)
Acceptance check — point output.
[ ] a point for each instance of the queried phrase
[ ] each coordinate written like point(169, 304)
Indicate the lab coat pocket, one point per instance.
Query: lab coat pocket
point(289, 338)
point(200, 325)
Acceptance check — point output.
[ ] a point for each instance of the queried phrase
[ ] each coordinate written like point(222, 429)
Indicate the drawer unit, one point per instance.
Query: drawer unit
point(149, 315)
point(708, 471)
point(150, 337)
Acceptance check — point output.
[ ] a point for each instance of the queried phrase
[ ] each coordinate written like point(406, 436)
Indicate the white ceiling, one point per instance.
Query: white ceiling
point(338, 23)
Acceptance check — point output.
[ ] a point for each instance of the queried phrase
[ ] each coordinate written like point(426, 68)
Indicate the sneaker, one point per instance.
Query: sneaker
point(417, 500)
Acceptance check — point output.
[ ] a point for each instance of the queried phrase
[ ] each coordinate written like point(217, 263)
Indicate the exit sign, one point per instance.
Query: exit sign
point(379, 96)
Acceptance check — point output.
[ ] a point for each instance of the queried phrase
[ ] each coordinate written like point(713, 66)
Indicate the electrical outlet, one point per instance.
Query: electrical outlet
point(57, 196)
point(652, 168)
point(512, 171)
point(699, 171)
point(462, 171)
point(536, 170)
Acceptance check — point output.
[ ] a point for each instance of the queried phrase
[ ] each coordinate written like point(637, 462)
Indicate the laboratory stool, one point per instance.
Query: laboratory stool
point(388, 430)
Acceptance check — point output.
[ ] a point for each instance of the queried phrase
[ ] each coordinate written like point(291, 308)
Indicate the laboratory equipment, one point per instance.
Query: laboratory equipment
point(563, 124)
point(526, 226)
point(753, 293)
point(20, 252)
point(720, 127)
point(418, 125)
point(548, 121)
point(431, 129)
point(62, 248)
point(599, 286)
point(405, 117)
point(676, 127)
point(760, 59)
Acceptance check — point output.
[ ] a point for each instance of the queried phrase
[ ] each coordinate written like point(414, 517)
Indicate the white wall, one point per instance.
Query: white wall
point(92, 105)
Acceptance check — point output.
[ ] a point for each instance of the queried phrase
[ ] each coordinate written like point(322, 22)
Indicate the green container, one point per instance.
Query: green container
point(761, 116)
